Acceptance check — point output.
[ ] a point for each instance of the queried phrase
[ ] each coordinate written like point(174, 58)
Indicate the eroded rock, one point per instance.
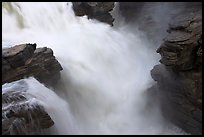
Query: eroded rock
point(179, 77)
point(180, 47)
point(95, 10)
point(25, 60)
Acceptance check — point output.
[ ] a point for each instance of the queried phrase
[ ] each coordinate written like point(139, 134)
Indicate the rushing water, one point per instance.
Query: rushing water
point(106, 70)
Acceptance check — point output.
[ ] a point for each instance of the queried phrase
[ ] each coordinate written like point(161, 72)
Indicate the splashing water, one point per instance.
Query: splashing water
point(106, 70)
point(29, 89)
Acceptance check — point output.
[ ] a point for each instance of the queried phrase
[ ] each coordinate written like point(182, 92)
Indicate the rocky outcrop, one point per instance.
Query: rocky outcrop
point(95, 10)
point(25, 60)
point(179, 77)
point(22, 114)
point(182, 47)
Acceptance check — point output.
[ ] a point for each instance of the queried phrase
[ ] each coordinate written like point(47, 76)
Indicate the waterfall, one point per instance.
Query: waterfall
point(106, 70)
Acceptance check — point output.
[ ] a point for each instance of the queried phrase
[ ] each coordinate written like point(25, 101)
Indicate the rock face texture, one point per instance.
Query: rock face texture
point(25, 60)
point(21, 113)
point(179, 77)
point(95, 10)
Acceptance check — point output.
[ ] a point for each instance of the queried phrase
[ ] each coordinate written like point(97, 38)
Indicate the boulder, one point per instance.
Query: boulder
point(25, 60)
point(22, 114)
point(95, 10)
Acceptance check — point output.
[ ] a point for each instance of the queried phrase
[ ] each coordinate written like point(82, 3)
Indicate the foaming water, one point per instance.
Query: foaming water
point(105, 70)
point(53, 104)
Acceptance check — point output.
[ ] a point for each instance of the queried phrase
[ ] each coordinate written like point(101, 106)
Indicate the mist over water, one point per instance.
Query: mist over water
point(106, 70)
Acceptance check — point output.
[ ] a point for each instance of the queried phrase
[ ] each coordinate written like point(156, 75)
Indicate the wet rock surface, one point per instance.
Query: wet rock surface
point(25, 60)
point(22, 114)
point(179, 77)
point(95, 10)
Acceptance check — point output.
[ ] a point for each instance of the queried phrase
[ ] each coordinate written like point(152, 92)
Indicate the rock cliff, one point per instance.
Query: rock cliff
point(179, 77)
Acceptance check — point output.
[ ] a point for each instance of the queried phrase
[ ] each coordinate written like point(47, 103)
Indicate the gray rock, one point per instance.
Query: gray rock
point(181, 45)
point(179, 77)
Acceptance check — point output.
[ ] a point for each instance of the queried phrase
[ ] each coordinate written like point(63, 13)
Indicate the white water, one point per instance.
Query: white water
point(105, 71)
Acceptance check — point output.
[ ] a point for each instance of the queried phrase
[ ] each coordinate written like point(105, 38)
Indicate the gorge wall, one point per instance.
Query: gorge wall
point(179, 76)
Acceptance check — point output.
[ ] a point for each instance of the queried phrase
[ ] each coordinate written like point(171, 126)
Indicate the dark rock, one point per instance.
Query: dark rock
point(25, 60)
point(179, 77)
point(21, 113)
point(178, 36)
point(16, 56)
point(181, 45)
point(95, 10)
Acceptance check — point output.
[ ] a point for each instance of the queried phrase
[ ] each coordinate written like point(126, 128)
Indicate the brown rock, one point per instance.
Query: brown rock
point(16, 56)
point(23, 61)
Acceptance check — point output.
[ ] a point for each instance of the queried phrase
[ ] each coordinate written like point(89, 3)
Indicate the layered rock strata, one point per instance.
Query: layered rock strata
point(179, 77)
point(25, 60)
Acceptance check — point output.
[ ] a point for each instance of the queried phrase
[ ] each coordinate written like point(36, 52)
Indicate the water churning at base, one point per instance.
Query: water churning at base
point(106, 70)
